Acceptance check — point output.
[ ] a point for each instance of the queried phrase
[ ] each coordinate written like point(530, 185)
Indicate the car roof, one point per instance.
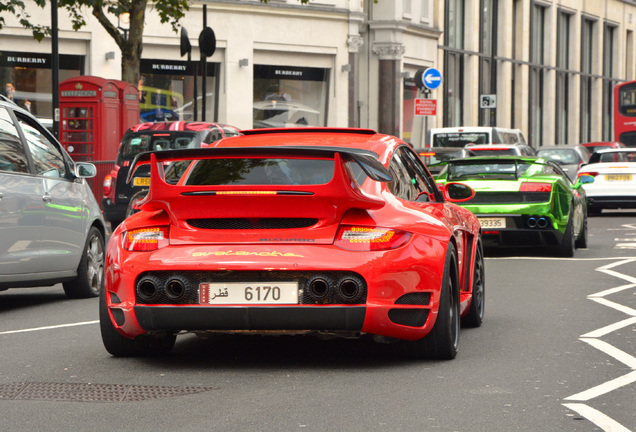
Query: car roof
point(364, 139)
point(614, 144)
point(617, 150)
point(177, 126)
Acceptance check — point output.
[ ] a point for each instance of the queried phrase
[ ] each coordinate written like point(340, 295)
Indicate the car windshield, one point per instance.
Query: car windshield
point(261, 171)
point(459, 139)
point(141, 142)
point(562, 156)
point(487, 170)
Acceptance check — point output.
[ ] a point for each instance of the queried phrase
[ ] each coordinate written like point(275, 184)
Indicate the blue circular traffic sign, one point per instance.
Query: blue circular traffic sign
point(431, 78)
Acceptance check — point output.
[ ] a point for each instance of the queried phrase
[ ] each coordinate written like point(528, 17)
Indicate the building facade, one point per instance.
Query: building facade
point(550, 64)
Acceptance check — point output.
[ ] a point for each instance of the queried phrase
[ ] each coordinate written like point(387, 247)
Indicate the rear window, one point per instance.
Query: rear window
point(459, 139)
point(143, 142)
point(488, 170)
point(564, 156)
point(261, 172)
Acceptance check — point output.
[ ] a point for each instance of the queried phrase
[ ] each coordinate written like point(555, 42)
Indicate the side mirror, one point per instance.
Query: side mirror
point(458, 192)
point(85, 170)
point(585, 179)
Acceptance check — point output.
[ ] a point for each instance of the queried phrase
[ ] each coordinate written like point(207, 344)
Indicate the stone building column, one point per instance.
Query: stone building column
point(389, 86)
point(354, 42)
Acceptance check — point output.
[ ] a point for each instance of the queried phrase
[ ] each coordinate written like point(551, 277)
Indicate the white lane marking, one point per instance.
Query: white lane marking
point(598, 418)
point(610, 328)
point(592, 338)
point(536, 258)
point(611, 291)
point(619, 307)
point(604, 388)
point(49, 327)
point(612, 351)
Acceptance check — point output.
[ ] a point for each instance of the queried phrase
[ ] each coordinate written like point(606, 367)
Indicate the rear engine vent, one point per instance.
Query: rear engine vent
point(252, 224)
point(416, 298)
point(409, 317)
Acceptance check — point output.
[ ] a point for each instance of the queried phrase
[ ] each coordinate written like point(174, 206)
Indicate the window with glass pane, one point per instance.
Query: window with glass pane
point(608, 83)
point(454, 63)
point(562, 78)
point(537, 48)
point(587, 45)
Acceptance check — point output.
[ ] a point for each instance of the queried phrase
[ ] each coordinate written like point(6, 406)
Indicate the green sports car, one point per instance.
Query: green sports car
point(523, 201)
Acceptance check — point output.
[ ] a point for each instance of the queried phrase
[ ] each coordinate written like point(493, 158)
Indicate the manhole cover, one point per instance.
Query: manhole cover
point(92, 392)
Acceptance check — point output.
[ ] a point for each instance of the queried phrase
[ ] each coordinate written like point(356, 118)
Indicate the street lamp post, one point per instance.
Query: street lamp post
point(123, 23)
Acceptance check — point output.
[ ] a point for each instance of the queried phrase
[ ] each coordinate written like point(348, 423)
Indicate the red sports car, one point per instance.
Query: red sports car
point(339, 232)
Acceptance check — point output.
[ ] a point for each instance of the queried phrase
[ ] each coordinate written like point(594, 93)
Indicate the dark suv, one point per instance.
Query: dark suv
point(152, 137)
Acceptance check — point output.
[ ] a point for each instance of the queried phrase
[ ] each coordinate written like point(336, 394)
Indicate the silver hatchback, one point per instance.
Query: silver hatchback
point(51, 227)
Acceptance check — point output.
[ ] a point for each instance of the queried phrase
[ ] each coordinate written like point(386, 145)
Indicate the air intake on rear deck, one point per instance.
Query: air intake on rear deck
point(252, 224)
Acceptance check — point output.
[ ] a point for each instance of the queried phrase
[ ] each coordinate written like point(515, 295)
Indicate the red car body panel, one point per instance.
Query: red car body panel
point(417, 266)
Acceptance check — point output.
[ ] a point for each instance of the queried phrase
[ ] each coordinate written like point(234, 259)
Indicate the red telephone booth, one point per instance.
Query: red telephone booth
point(94, 114)
point(129, 97)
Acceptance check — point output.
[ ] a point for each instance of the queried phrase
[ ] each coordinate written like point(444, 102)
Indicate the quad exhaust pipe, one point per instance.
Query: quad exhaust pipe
point(347, 288)
point(151, 288)
point(537, 222)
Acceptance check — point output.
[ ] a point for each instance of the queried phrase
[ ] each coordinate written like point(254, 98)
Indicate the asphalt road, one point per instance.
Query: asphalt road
point(556, 353)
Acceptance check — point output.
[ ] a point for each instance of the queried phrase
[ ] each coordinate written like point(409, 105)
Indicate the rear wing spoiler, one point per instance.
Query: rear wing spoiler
point(366, 159)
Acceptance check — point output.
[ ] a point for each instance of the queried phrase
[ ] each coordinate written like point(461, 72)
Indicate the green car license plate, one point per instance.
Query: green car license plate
point(492, 222)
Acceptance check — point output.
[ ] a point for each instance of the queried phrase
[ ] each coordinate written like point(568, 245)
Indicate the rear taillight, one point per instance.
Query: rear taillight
point(364, 238)
point(535, 187)
point(108, 184)
point(145, 239)
point(109, 180)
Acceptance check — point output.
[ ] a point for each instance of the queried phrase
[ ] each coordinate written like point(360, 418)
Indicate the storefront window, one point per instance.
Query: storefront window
point(166, 90)
point(26, 78)
point(287, 96)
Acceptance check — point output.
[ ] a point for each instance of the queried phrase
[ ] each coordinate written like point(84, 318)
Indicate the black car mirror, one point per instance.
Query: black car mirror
point(458, 192)
point(85, 170)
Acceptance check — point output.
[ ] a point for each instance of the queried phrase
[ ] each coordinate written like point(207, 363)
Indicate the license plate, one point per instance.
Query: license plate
point(248, 293)
point(492, 222)
point(618, 177)
point(141, 181)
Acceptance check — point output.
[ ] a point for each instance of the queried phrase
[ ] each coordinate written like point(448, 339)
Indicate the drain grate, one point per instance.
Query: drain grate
point(70, 392)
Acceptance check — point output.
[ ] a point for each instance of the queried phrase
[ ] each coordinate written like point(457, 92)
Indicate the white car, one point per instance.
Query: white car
point(614, 187)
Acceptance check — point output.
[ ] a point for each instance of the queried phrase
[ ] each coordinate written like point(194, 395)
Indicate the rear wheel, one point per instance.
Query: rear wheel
point(90, 271)
point(581, 242)
point(442, 342)
point(566, 248)
point(120, 346)
point(475, 315)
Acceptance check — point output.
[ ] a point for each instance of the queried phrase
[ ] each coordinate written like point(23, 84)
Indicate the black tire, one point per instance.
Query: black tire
point(121, 346)
point(581, 242)
point(442, 343)
point(475, 315)
point(90, 271)
point(594, 211)
point(566, 248)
